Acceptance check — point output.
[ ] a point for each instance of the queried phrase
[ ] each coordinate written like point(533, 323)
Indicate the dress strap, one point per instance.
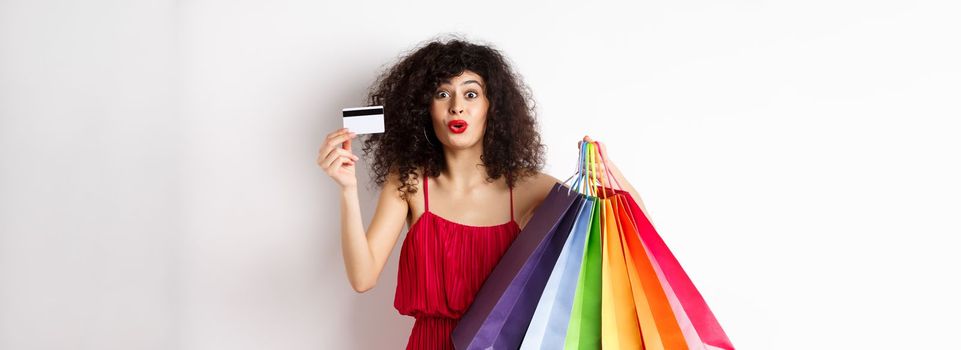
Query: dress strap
point(512, 203)
point(426, 202)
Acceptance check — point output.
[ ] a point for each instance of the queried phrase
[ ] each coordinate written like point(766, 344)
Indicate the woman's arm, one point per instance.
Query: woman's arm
point(616, 173)
point(366, 253)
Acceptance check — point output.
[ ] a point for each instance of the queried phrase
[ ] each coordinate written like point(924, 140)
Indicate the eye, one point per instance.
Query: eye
point(471, 92)
point(441, 94)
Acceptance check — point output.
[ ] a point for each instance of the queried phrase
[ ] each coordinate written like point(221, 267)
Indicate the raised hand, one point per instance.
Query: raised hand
point(600, 169)
point(337, 160)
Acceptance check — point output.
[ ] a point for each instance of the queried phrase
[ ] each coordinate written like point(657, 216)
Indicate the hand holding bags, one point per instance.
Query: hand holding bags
point(589, 271)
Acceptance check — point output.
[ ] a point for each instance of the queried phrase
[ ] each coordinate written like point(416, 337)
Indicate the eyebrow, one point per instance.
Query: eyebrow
point(465, 83)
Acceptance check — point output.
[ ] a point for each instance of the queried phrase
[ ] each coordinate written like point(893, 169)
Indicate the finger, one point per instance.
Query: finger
point(337, 141)
point(343, 163)
point(334, 160)
point(338, 164)
point(332, 136)
point(339, 153)
point(348, 162)
point(345, 153)
point(325, 151)
point(336, 133)
point(324, 156)
point(328, 160)
point(334, 155)
point(346, 145)
point(348, 154)
point(582, 141)
point(324, 147)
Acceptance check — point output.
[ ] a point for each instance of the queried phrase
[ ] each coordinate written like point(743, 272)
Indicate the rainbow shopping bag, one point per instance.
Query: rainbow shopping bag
point(589, 272)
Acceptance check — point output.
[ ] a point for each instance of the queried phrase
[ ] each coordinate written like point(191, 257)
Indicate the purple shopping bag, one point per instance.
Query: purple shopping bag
point(504, 305)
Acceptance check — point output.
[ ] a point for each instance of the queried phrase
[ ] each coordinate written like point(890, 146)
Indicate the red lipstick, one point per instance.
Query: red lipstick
point(457, 126)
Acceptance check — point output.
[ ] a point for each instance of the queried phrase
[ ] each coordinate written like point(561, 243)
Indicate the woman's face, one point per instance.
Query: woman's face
point(459, 110)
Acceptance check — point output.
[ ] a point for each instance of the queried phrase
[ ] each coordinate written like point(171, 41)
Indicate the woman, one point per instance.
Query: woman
point(460, 124)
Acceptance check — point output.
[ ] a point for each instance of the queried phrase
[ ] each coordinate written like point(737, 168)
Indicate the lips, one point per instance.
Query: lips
point(457, 126)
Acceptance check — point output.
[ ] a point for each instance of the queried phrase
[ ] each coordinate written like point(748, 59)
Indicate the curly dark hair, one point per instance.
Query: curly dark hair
point(512, 144)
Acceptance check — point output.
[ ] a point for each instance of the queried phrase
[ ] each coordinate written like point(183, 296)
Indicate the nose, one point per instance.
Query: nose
point(456, 107)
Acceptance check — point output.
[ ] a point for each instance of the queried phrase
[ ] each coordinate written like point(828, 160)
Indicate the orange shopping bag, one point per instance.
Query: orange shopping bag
point(619, 324)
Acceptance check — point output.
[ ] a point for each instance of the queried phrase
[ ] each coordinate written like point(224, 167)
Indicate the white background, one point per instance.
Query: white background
point(158, 186)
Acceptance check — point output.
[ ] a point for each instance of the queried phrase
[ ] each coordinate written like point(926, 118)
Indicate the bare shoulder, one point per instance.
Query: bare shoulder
point(530, 192)
point(541, 183)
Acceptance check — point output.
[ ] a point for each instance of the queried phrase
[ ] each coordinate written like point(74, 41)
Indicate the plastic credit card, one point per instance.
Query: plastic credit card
point(364, 120)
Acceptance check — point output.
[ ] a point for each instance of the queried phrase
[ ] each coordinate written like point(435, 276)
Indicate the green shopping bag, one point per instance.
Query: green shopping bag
point(584, 330)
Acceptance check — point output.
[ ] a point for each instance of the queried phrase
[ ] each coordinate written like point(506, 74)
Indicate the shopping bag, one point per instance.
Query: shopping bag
point(503, 299)
point(584, 328)
point(702, 319)
point(548, 326)
point(529, 286)
point(584, 325)
point(595, 274)
point(619, 315)
point(684, 322)
point(657, 320)
point(673, 280)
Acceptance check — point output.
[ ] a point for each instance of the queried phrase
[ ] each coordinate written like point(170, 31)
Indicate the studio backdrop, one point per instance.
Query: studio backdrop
point(158, 185)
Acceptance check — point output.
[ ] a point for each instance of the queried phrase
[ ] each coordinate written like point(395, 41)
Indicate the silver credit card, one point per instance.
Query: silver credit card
point(364, 120)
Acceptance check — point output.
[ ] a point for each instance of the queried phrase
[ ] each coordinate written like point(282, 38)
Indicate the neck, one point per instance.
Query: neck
point(464, 168)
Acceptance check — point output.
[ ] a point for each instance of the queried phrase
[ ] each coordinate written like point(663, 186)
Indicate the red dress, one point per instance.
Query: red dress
point(442, 265)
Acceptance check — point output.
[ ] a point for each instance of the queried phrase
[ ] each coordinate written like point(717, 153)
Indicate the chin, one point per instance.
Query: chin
point(459, 142)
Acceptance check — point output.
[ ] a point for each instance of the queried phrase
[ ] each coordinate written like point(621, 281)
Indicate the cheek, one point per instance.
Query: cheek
point(482, 108)
point(436, 113)
point(482, 123)
point(483, 111)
